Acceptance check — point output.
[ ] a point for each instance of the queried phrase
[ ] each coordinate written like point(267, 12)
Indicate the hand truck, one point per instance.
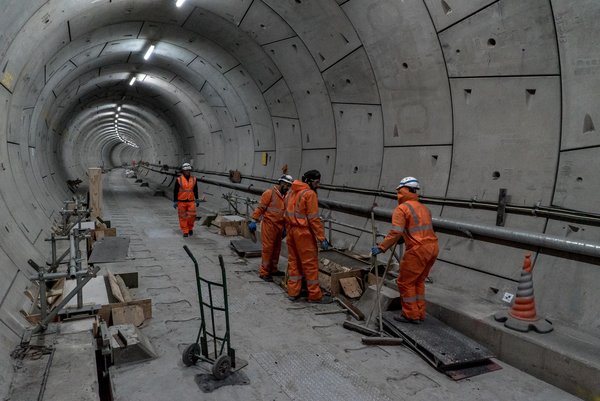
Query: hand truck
point(222, 356)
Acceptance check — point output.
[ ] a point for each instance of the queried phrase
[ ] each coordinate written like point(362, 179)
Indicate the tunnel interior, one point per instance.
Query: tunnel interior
point(470, 96)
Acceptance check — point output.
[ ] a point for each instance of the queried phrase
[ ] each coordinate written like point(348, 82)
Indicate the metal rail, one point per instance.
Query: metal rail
point(536, 210)
point(454, 226)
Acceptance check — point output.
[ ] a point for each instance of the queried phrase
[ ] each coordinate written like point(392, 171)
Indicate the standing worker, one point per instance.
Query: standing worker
point(304, 231)
point(185, 199)
point(411, 224)
point(271, 209)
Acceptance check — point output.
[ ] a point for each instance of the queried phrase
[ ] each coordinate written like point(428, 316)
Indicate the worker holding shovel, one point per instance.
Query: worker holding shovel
point(411, 224)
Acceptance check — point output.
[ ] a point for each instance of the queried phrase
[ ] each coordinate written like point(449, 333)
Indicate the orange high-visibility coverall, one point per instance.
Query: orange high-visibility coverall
point(412, 221)
point(304, 230)
point(272, 209)
point(186, 203)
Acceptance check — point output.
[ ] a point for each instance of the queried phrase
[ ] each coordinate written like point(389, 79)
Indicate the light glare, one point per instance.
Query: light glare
point(149, 52)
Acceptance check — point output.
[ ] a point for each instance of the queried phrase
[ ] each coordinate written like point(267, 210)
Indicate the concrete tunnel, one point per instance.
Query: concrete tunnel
point(470, 96)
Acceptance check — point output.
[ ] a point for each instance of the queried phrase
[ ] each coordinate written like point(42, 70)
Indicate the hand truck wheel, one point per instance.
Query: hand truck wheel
point(222, 367)
point(190, 354)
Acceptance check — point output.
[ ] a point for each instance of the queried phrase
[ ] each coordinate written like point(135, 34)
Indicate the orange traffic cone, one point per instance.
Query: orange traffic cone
point(522, 316)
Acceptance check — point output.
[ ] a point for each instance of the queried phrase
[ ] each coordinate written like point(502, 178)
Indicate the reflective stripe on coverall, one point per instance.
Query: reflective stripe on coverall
point(186, 205)
point(412, 221)
point(272, 209)
point(304, 230)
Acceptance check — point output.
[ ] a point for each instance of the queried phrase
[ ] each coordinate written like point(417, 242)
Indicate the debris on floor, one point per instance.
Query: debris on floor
point(125, 344)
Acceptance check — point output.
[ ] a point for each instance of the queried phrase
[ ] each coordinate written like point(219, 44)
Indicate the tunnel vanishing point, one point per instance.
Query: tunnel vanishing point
point(492, 104)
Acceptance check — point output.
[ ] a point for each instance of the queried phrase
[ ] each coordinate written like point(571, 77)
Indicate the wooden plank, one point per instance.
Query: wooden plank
point(95, 191)
point(132, 314)
point(335, 279)
point(145, 304)
point(351, 287)
point(114, 287)
point(230, 231)
point(124, 290)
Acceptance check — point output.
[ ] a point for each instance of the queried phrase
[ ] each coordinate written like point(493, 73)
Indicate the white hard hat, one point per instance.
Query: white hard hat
point(186, 167)
point(286, 178)
point(410, 182)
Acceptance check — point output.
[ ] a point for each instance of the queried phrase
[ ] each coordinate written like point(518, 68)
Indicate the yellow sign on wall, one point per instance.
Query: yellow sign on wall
point(265, 158)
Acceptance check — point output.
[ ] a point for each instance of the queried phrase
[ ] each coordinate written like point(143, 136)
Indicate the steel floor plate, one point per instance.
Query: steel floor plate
point(246, 248)
point(316, 375)
point(440, 344)
point(109, 250)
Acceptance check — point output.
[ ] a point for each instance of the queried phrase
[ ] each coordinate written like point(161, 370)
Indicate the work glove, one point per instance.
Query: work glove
point(325, 245)
point(376, 251)
point(252, 226)
point(197, 202)
point(283, 233)
point(174, 205)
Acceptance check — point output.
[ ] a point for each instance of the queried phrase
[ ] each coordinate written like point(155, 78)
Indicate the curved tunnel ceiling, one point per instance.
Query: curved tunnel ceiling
point(468, 95)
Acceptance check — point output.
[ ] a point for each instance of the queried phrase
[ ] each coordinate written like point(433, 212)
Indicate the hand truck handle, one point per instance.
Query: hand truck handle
point(187, 250)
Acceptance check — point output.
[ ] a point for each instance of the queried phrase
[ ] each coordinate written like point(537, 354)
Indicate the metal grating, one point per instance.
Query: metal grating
point(316, 375)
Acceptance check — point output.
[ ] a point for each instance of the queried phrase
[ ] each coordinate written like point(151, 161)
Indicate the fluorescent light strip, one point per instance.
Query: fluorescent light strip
point(132, 81)
point(149, 52)
point(179, 3)
point(119, 108)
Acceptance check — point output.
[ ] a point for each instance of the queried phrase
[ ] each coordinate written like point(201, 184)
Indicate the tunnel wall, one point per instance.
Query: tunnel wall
point(469, 96)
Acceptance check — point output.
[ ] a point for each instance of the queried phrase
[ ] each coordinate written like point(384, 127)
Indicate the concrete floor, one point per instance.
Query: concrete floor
point(292, 353)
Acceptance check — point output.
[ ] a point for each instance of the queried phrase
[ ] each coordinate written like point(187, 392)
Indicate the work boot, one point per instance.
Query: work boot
point(185, 235)
point(266, 278)
point(278, 273)
point(191, 232)
point(403, 319)
point(325, 299)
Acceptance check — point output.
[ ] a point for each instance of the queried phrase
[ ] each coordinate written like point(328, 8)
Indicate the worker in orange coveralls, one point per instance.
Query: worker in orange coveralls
point(411, 224)
point(305, 230)
point(271, 210)
point(185, 199)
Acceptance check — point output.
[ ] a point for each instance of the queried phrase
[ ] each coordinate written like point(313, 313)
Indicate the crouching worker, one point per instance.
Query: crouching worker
point(411, 224)
point(271, 210)
point(305, 230)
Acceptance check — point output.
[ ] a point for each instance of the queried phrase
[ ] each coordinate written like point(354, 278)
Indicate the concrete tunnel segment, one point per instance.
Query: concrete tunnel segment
point(469, 96)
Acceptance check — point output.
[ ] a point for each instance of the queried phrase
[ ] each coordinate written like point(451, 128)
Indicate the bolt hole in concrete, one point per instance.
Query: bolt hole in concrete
point(491, 42)
point(355, 169)
point(495, 175)
point(579, 179)
point(405, 65)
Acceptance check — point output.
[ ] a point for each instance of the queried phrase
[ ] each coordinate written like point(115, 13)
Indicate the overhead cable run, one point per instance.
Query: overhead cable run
point(470, 230)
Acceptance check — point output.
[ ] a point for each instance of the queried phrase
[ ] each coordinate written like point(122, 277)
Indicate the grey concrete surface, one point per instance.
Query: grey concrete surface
point(317, 358)
point(469, 96)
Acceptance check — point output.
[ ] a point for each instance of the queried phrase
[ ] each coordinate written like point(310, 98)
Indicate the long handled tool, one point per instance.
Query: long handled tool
point(375, 267)
point(378, 291)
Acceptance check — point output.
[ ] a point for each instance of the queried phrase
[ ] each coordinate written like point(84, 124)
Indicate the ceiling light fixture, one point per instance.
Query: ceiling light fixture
point(132, 81)
point(149, 52)
point(119, 108)
point(179, 3)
